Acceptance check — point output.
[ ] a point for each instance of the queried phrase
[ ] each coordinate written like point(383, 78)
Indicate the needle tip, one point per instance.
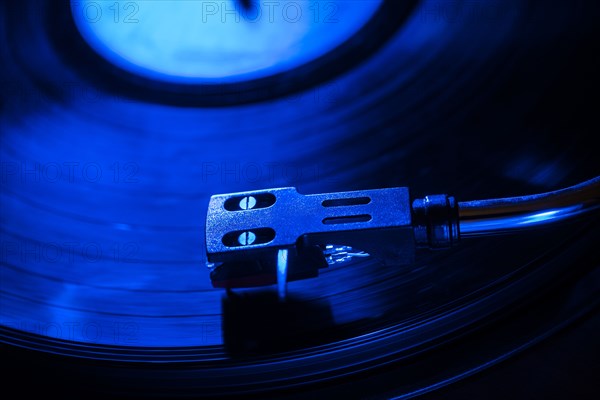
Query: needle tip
point(282, 265)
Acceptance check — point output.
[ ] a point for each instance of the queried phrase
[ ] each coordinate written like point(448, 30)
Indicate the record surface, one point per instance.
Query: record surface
point(104, 197)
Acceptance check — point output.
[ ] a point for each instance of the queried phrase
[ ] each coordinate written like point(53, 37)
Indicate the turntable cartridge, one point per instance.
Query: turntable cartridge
point(274, 236)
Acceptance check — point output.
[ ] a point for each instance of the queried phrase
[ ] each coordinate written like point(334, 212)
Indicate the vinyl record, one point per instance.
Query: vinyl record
point(106, 177)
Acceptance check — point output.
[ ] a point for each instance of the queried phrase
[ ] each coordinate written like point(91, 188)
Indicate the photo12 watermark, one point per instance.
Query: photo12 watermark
point(265, 12)
point(72, 172)
point(125, 333)
point(263, 173)
point(20, 252)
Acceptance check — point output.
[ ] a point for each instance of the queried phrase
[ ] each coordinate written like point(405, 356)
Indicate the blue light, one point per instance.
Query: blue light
point(197, 41)
point(144, 213)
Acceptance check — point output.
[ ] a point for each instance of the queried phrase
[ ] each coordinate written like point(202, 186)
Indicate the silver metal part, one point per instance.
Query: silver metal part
point(247, 203)
point(246, 238)
point(488, 217)
point(338, 254)
point(282, 268)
